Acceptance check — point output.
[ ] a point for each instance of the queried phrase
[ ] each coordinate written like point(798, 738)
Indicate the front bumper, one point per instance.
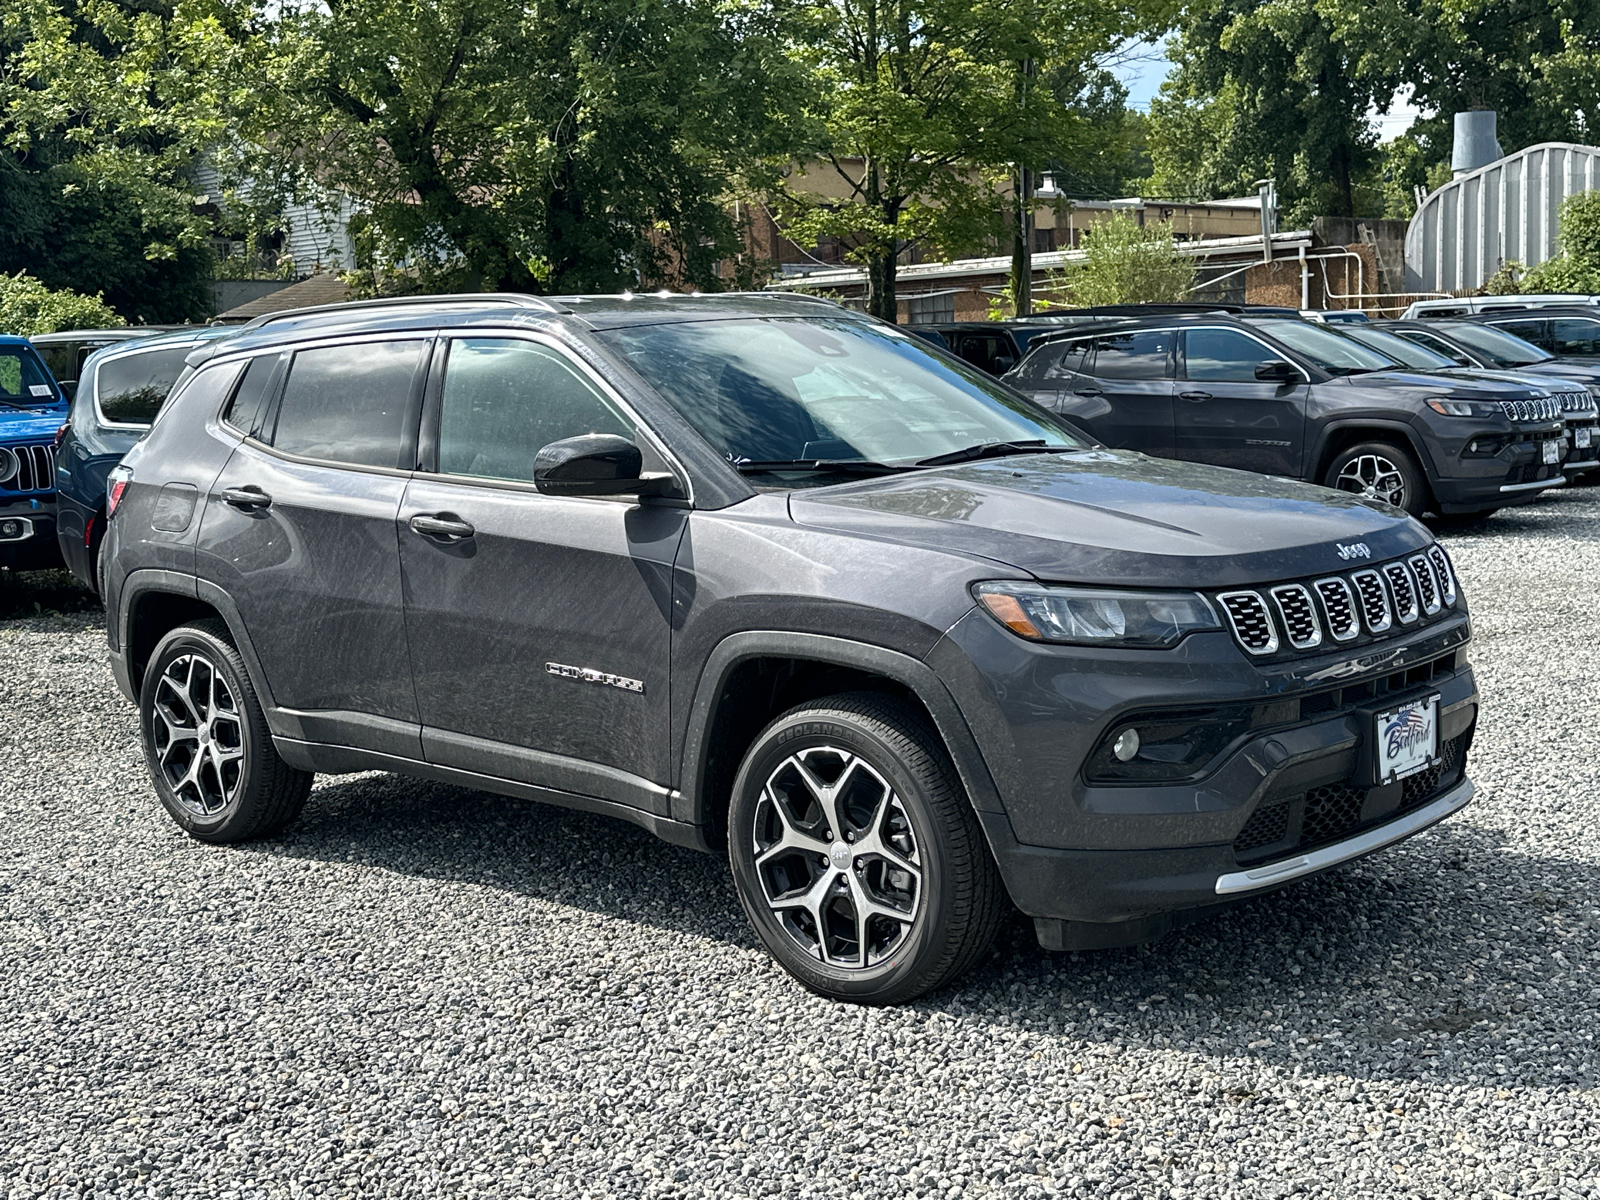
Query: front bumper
point(28, 535)
point(1582, 458)
point(1515, 474)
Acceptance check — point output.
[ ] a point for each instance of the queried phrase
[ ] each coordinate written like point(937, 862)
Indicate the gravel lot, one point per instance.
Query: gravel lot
point(422, 991)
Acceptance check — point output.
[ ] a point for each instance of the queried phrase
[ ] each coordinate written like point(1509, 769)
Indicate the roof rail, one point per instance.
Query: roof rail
point(666, 295)
point(508, 299)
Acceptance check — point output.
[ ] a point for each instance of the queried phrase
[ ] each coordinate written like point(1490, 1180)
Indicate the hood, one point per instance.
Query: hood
point(1457, 383)
point(35, 425)
point(1115, 517)
point(1585, 373)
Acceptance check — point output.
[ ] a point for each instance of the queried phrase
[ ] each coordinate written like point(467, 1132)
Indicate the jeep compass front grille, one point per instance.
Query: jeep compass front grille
point(1372, 601)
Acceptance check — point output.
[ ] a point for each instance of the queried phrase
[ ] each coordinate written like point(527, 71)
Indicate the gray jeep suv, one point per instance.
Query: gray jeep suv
point(772, 578)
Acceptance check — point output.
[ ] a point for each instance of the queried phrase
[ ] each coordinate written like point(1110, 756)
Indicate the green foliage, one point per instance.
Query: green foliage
point(922, 107)
point(559, 145)
point(1506, 281)
point(29, 308)
point(1575, 269)
point(1126, 263)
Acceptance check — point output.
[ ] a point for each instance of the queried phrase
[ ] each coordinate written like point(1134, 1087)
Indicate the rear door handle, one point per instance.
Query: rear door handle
point(445, 526)
point(1087, 391)
point(1194, 395)
point(248, 498)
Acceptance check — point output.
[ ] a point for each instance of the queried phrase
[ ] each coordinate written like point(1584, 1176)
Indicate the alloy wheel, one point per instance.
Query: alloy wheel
point(837, 858)
point(1374, 477)
point(199, 735)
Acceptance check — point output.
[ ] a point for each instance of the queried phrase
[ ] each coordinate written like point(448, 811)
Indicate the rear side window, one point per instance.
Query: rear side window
point(1529, 330)
point(1574, 335)
point(62, 359)
point(504, 400)
point(1145, 354)
point(131, 389)
point(1066, 360)
point(984, 350)
point(1224, 355)
point(244, 410)
point(348, 403)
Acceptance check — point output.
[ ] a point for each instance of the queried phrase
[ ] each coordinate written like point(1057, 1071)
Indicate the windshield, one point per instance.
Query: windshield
point(131, 388)
point(23, 379)
point(1335, 353)
point(1407, 354)
point(793, 389)
point(1501, 348)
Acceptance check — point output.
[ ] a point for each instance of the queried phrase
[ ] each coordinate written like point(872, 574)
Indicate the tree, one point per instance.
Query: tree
point(561, 145)
point(1127, 263)
point(28, 308)
point(1266, 89)
point(924, 107)
point(102, 107)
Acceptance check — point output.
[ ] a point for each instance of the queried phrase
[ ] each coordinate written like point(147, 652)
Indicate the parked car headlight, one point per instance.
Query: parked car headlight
point(8, 463)
point(1096, 616)
point(1467, 408)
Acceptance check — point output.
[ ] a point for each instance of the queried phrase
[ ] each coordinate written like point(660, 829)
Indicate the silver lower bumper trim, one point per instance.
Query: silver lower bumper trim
point(1373, 839)
point(1528, 487)
point(24, 531)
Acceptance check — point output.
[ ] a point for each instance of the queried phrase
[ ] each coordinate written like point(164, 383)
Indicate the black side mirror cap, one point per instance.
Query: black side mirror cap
point(1278, 371)
point(1003, 363)
point(595, 464)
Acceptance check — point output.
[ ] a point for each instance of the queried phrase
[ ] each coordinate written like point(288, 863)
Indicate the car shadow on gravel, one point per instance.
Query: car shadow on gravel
point(1453, 956)
point(34, 594)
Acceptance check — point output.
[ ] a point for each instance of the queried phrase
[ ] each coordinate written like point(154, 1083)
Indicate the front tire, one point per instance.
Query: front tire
point(1380, 471)
point(856, 854)
point(207, 744)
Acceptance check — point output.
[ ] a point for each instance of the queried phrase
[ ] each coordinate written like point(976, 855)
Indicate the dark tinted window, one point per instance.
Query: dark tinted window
point(1146, 354)
point(348, 403)
point(1428, 341)
point(245, 407)
point(22, 377)
point(503, 400)
point(132, 389)
point(1067, 360)
point(1224, 355)
point(1575, 335)
point(1529, 330)
point(983, 350)
point(62, 359)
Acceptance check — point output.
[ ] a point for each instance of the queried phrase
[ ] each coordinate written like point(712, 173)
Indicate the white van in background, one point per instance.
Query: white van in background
point(1463, 306)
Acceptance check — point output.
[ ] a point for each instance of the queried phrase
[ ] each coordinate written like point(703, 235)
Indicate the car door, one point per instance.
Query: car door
point(539, 625)
point(299, 530)
point(1123, 390)
point(1226, 416)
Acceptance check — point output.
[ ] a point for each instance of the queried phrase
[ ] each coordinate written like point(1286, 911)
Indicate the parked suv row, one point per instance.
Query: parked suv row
point(1283, 396)
point(775, 579)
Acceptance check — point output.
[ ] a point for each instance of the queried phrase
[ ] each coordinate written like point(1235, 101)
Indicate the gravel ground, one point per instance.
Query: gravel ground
point(421, 991)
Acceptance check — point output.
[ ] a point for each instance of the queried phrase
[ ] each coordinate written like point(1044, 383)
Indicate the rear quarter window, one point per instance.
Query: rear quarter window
point(131, 389)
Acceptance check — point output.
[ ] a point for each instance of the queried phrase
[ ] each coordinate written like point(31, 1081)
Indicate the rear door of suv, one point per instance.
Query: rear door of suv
point(1121, 389)
point(299, 530)
point(1224, 415)
point(539, 625)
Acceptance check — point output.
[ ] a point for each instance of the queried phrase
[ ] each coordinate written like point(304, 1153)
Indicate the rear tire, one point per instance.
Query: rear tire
point(1380, 471)
point(207, 744)
point(856, 854)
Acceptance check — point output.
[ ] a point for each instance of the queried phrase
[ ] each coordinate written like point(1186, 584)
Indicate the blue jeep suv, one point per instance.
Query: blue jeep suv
point(32, 409)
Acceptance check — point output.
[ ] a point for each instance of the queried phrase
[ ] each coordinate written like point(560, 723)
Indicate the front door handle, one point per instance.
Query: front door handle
point(445, 526)
point(249, 498)
point(1194, 395)
point(1087, 391)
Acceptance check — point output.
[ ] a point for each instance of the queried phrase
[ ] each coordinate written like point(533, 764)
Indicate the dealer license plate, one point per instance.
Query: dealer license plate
point(1552, 451)
point(1582, 438)
point(1407, 739)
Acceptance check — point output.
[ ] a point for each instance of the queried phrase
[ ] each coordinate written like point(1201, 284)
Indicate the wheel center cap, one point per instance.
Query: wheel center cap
point(840, 855)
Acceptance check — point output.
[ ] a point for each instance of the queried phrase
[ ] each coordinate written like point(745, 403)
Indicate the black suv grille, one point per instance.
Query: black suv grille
point(1372, 601)
point(34, 471)
point(1332, 812)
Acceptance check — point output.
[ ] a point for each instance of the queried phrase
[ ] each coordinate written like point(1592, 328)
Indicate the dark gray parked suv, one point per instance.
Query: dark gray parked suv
point(766, 576)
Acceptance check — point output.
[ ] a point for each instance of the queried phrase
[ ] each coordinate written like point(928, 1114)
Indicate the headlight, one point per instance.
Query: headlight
point(1096, 616)
point(8, 463)
point(1467, 408)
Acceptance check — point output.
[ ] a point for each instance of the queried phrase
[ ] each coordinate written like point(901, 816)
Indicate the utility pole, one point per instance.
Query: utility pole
point(1022, 224)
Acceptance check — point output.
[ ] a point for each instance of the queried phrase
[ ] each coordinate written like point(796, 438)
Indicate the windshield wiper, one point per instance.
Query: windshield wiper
point(15, 407)
point(841, 465)
point(992, 450)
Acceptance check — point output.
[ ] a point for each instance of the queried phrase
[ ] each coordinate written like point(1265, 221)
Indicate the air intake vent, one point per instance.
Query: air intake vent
point(1299, 616)
point(1403, 591)
point(1427, 589)
point(1340, 606)
point(1252, 624)
point(1373, 600)
point(1441, 569)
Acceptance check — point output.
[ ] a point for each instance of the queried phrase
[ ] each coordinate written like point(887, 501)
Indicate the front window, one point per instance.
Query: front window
point(23, 379)
point(1407, 354)
point(795, 390)
point(1499, 347)
point(1224, 355)
point(1575, 335)
point(1333, 352)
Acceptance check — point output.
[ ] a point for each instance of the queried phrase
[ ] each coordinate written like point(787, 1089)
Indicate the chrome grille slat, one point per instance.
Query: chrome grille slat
point(1427, 586)
point(1404, 591)
point(1440, 562)
point(1299, 616)
point(1252, 623)
point(1339, 606)
point(1374, 601)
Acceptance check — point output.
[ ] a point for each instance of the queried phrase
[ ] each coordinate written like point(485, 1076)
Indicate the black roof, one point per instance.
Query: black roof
point(1496, 316)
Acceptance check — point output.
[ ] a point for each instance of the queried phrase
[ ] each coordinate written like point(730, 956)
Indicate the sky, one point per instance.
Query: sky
point(1142, 69)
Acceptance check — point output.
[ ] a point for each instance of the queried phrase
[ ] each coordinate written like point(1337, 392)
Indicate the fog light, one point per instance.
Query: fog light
point(1126, 745)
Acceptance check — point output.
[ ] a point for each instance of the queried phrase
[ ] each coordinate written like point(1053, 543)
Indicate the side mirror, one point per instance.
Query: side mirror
point(594, 464)
point(1003, 363)
point(1278, 371)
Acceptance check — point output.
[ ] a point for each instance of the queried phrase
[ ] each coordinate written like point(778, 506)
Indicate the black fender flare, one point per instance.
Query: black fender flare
point(1377, 426)
point(690, 802)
